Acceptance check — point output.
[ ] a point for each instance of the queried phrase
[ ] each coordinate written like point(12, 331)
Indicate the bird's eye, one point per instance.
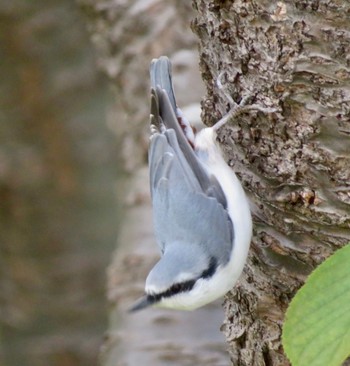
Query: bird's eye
point(182, 287)
point(177, 287)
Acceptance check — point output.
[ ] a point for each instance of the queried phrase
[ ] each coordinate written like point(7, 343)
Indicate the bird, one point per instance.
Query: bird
point(201, 216)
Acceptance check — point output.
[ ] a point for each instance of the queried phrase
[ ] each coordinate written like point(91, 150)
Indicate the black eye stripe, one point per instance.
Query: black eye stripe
point(175, 289)
point(187, 285)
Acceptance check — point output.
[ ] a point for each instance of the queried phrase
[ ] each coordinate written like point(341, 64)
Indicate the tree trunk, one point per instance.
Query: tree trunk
point(294, 164)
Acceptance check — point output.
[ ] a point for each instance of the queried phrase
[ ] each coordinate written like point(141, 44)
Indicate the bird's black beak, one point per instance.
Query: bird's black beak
point(143, 302)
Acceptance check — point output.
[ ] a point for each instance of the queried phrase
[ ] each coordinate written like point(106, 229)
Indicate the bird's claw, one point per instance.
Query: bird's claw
point(239, 108)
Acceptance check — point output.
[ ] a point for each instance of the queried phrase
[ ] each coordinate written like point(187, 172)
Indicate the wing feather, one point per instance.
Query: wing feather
point(189, 205)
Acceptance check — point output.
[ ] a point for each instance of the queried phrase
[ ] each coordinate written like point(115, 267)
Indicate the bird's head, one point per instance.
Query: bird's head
point(179, 280)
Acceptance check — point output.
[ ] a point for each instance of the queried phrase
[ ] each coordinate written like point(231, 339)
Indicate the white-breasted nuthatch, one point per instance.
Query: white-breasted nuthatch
point(201, 215)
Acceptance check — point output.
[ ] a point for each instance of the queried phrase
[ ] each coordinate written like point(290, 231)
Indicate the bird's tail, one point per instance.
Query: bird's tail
point(160, 71)
point(161, 85)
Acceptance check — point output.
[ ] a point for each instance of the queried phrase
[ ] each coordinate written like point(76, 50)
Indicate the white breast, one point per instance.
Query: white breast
point(238, 207)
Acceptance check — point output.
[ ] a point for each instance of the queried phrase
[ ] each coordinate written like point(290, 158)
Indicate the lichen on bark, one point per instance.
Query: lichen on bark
point(295, 163)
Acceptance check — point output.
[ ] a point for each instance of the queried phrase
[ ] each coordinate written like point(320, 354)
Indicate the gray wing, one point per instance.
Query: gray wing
point(182, 212)
point(188, 204)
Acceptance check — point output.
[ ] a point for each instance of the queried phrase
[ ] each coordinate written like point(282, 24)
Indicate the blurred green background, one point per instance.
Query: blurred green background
point(58, 171)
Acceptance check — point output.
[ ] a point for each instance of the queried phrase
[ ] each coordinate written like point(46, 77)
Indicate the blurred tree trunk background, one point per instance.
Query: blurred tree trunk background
point(294, 164)
point(58, 168)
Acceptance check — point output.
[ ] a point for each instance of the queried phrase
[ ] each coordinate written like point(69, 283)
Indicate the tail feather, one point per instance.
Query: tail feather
point(161, 90)
point(166, 116)
point(160, 71)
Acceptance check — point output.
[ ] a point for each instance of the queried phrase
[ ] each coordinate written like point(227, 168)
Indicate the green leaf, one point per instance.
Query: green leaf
point(316, 331)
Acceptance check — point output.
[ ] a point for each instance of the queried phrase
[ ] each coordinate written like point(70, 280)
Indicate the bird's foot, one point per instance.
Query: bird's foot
point(239, 108)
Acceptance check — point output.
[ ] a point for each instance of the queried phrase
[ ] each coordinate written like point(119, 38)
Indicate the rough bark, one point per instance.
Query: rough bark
point(294, 164)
